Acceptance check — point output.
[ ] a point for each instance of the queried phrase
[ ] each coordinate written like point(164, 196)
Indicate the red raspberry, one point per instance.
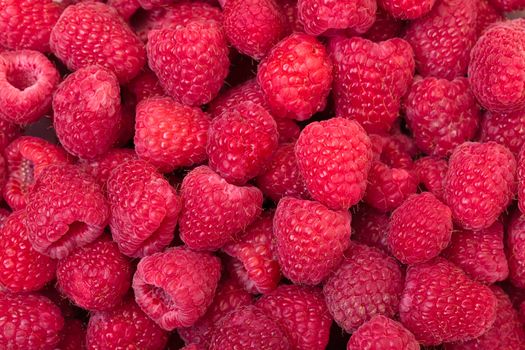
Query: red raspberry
point(395, 150)
point(498, 86)
point(310, 239)
point(125, 8)
point(293, 23)
point(248, 328)
point(521, 180)
point(370, 227)
point(441, 114)
point(382, 333)
point(214, 211)
point(301, 313)
point(144, 209)
point(367, 283)
point(508, 5)
point(29, 321)
point(145, 85)
point(441, 304)
point(370, 79)
point(65, 209)
point(27, 24)
point(507, 129)
point(87, 112)
point(91, 33)
point(487, 14)
point(247, 91)
point(150, 4)
point(102, 167)
point(124, 327)
point(174, 288)
point(27, 81)
point(385, 27)
point(8, 132)
point(431, 173)
point(288, 129)
point(191, 61)
point(296, 77)
point(480, 183)
point(334, 157)
point(407, 9)
point(318, 16)
point(73, 335)
point(480, 254)
point(515, 249)
point(23, 269)
point(4, 213)
point(443, 38)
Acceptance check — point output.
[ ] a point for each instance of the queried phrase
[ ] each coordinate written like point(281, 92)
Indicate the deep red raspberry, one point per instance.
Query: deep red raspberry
point(334, 157)
point(247, 91)
point(125, 8)
point(27, 81)
point(65, 209)
point(309, 239)
point(370, 227)
point(442, 39)
point(507, 129)
point(214, 211)
point(407, 9)
point(395, 150)
point(175, 287)
point(431, 173)
point(8, 132)
point(102, 167)
point(382, 333)
point(385, 27)
point(441, 304)
point(73, 335)
point(145, 85)
point(508, 5)
point(515, 249)
point(480, 183)
point(87, 112)
point(367, 283)
point(23, 269)
point(293, 23)
point(91, 33)
point(124, 327)
point(487, 14)
point(370, 79)
point(296, 77)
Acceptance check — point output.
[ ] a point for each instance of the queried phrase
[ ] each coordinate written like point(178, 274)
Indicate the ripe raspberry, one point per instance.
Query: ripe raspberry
point(407, 9)
point(441, 114)
point(8, 132)
point(319, 16)
point(441, 304)
point(370, 227)
point(175, 287)
point(521, 180)
point(248, 328)
point(487, 14)
point(124, 327)
point(191, 61)
point(87, 112)
point(382, 333)
point(431, 173)
point(247, 91)
point(73, 335)
point(288, 130)
point(476, 200)
point(370, 79)
point(515, 249)
point(150, 4)
point(310, 239)
point(4, 213)
point(65, 209)
point(507, 129)
point(23, 269)
point(145, 85)
point(500, 87)
point(214, 211)
point(92, 33)
point(102, 167)
point(293, 23)
point(395, 150)
point(442, 39)
point(508, 5)
point(334, 157)
point(367, 283)
point(125, 8)
point(27, 81)
point(296, 77)
point(301, 313)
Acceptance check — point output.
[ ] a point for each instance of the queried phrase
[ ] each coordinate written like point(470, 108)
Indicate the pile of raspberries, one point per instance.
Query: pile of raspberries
point(262, 175)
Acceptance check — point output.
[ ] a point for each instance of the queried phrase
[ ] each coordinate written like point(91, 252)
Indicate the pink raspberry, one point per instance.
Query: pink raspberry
point(8, 132)
point(102, 167)
point(507, 129)
point(310, 239)
point(73, 335)
point(366, 284)
point(508, 5)
point(145, 85)
point(175, 287)
point(370, 79)
point(407, 9)
point(125, 8)
point(487, 15)
point(431, 172)
point(214, 212)
point(515, 249)
point(382, 333)
point(370, 227)
point(296, 77)
point(87, 112)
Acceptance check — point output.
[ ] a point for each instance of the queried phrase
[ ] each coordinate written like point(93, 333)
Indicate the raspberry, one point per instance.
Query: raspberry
point(29, 321)
point(214, 211)
point(507, 129)
point(441, 304)
point(334, 157)
point(150, 4)
point(500, 87)
point(508, 5)
point(385, 27)
point(478, 199)
point(193, 347)
point(382, 333)
point(301, 313)
point(191, 61)
point(310, 239)
point(92, 33)
point(288, 130)
point(87, 112)
point(319, 16)
point(487, 14)
point(8, 132)
point(65, 209)
point(124, 327)
point(370, 227)
point(4, 213)
point(396, 151)
point(23, 269)
point(293, 23)
point(441, 114)
point(431, 173)
point(145, 85)
point(102, 167)
point(521, 180)
point(407, 9)
point(247, 91)
point(515, 252)
point(296, 77)
point(175, 287)
point(73, 336)
point(370, 79)
point(442, 39)
point(27, 81)
point(366, 284)
point(27, 24)
point(125, 8)
point(253, 26)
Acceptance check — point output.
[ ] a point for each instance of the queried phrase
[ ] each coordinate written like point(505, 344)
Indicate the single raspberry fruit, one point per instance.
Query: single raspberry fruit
point(125, 8)
point(73, 335)
point(507, 129)
point(431, 172)
point(394, 150)
point(247, 91)
point(382, 333)
point(102, 167)
point(145, 85)
point(370, 227)
point(487, 15)
point(175, 287)
point(508, 5)
point(515, 249)
point(407, 9)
